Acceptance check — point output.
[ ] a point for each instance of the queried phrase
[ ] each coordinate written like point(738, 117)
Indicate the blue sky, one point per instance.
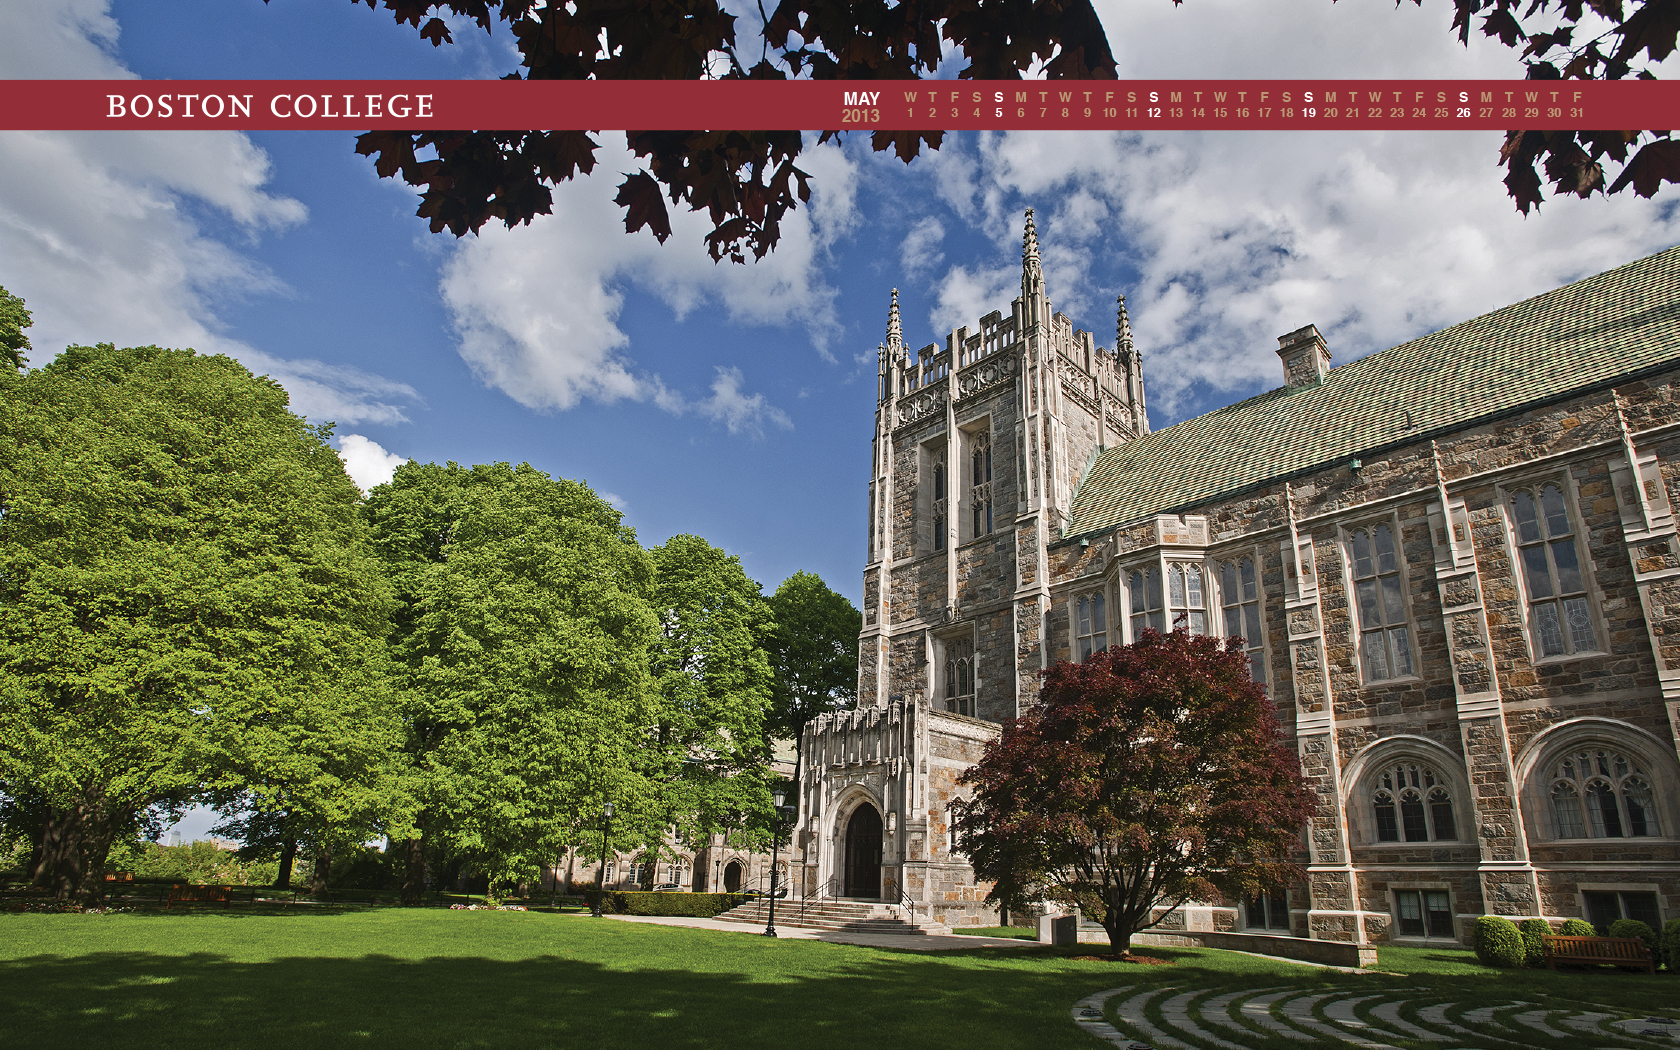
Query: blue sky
point(736, 402)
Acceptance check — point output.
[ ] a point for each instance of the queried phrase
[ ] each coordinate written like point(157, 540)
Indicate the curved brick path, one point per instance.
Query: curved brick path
point(1179, 1017)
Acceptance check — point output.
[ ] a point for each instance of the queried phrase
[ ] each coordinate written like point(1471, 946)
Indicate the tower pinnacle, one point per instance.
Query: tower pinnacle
point(1032, 272)
point(1122, 331)
point(895, 330)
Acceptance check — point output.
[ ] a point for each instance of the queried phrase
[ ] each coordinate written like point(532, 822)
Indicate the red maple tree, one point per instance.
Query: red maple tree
point(1147, 776)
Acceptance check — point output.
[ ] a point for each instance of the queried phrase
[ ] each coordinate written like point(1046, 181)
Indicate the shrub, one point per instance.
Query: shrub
point(1534, 934)
point(696, 905)
point(1635, 928)
point(1578, 928)
point(1670, 947)
point(1499, 942)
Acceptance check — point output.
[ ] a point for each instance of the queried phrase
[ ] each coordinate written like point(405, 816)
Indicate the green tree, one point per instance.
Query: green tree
point(814, 652)
point(188, 602)
point(522, 636)
point(13, 320)
point(708, 771)
point(1149, 775)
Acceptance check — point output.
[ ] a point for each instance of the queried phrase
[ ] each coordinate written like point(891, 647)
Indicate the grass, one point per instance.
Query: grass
point(428, 978)
point(1022, 933)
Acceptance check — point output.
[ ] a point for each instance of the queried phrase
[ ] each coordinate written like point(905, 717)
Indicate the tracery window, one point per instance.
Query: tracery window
point(1551, 573)
point(1186, 597)
point(1242, 612)
point(1385, 647)
point(1602, 794)
point(1412, 805)
point(980, 485)
point(959, 676)
point(1146, 607)
point(1091, 624)
point(939, 503)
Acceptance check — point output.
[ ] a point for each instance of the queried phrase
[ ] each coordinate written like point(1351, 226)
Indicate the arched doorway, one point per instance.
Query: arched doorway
point(863, 853)
point(732, 877)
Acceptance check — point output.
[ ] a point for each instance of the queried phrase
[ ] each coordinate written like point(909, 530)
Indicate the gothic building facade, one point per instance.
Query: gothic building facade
point(1454, 565)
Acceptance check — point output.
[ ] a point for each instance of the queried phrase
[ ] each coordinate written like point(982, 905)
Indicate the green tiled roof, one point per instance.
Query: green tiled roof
point(1588, 332)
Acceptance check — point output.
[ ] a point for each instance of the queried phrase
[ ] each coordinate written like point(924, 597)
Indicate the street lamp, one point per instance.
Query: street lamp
point(601, 873)
point(783, 812)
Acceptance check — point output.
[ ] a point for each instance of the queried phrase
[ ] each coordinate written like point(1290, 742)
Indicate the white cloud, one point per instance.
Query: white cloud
point(921, 246)
point(97, 231)
point(366, 461)
point(536, 308)
point(742, 413)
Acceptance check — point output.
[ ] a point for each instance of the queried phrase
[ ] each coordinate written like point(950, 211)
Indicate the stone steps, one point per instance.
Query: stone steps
point(846, 916)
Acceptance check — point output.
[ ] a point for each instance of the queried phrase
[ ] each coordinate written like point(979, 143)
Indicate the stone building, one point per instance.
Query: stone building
point(1454, 564)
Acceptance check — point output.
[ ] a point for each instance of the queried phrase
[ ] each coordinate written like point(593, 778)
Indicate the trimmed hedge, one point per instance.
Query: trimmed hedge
point(1534, 932)
point(1499, 942)
point(1578, 928)
point(1634, 928)
point(691, 905)
point(1670, 947)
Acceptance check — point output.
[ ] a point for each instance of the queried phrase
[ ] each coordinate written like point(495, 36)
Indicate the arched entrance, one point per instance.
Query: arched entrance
point(863, 853)
point(732, 877)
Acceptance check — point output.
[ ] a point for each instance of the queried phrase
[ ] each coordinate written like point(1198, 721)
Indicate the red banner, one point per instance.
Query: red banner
point(891, 105)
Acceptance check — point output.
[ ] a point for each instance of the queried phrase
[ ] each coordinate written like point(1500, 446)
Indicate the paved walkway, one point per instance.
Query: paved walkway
point(907, 942)
point(1199, 1018)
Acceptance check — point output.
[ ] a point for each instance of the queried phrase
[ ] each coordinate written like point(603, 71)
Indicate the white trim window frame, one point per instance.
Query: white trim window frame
point(1378, 596)
point(1090, 623)
point(977, 474)
point(1242, 607)
point(1145, 599)
point(1424, 912)
point(1411, 803)
point(1545, 534)
point(1597, 791)
point(1187, 596)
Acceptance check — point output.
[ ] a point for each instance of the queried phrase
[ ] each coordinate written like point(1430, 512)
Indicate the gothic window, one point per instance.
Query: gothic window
point(1145, 588)
point(1267, 911)
point(1602, 794)
point(1551, 573)
point(1091, 624)
point(939, 502)
point(1412, 805)
point(980, 483)
point(1424, 913)
point(1242, 612)
point(959, 677)
point(1187, 598)
point(1385, 648)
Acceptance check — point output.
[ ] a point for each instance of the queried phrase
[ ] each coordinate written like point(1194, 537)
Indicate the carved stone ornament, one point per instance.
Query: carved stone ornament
point(993, 370)
point(919, 406)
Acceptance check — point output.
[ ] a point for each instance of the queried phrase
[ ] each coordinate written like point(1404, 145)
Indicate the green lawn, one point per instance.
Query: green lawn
point(433, 978)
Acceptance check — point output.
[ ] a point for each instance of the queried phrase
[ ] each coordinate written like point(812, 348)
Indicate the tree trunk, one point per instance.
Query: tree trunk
point(1119, 935)
point(414, 871)
point(69, 860)
point(319, 870)
point(288, 857)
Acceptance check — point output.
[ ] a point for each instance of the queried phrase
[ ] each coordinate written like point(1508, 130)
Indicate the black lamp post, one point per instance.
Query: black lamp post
point(779, 794)
point(601, 873)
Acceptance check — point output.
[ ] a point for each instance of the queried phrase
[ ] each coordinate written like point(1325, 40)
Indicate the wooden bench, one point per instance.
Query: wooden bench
point(199, 895)
point(1618, 951)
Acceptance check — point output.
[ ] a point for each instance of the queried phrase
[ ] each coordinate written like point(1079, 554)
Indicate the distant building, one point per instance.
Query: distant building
point(1454, 564)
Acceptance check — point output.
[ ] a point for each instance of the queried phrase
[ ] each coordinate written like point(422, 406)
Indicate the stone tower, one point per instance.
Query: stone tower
point(979, 445)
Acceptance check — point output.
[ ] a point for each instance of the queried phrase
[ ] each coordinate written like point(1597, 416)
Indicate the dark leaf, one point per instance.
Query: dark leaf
point(643, 205)
point(1656, 163)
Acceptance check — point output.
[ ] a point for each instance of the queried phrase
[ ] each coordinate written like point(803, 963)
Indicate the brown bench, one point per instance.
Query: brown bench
point(1618, 951)
point(199, 895)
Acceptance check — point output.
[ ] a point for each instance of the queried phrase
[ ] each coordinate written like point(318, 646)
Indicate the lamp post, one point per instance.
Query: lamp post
point(779, 794)
point(601, 873)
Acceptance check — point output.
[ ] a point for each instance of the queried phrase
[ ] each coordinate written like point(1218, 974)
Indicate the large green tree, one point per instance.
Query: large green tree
point(188, 602)
point(522, 637)
point(13, 320)
point(814, 651)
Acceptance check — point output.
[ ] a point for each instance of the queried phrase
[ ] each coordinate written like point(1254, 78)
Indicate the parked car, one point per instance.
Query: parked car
point(669, 887)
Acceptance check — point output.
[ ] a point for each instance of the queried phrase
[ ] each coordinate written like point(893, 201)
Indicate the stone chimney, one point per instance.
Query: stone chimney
point(1305, 358)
